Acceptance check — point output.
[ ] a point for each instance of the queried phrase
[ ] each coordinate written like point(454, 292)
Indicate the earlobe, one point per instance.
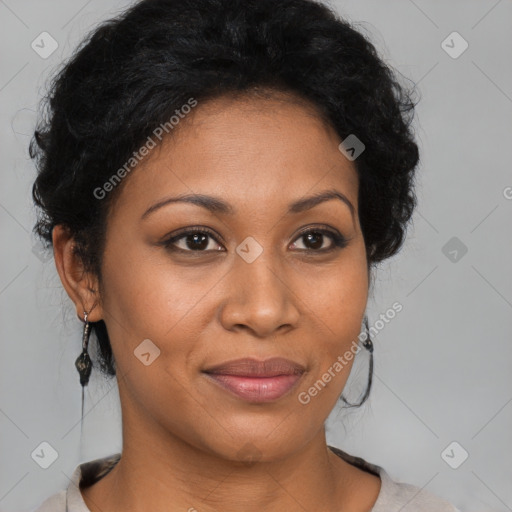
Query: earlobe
point(81, 286)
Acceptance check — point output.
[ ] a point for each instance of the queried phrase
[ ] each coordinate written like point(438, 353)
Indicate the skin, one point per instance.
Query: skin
point(184, 437)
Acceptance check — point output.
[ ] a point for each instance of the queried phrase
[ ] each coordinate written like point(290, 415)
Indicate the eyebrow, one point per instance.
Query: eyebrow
point(217, 205)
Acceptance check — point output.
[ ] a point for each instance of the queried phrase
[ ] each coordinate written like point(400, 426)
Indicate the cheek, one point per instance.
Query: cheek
point(145, 300)
point(337, 295)
point(337, 304)
point(147, 297)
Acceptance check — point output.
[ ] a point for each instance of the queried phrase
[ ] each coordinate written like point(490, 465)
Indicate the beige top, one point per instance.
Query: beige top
point(393, 496)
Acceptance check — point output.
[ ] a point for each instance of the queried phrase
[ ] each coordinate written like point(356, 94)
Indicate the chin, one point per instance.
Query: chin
point(250, 449)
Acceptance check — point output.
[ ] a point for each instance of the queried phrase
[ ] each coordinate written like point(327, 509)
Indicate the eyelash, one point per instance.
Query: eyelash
point(338, 241)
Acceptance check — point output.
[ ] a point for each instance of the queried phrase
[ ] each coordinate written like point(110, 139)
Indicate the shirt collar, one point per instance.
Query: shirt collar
point(86, 474)
point(90, 472)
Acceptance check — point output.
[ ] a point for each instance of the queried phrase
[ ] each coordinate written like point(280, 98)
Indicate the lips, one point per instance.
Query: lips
point(248, 367)
point(257, 381)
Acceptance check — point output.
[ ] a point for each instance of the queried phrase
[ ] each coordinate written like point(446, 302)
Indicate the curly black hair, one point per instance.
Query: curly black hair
point(134, 71)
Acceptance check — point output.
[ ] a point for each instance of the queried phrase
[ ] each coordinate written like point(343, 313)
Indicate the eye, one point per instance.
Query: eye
point(314, 240)
point(192, 240)
point(201, 239)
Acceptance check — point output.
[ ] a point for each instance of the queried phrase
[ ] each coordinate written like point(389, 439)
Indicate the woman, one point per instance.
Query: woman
point(218, 179)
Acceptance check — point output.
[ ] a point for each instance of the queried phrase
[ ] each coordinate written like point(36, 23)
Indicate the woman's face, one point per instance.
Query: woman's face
point(253, 287)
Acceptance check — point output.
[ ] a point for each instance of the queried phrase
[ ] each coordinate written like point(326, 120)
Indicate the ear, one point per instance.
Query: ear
point(81, 286)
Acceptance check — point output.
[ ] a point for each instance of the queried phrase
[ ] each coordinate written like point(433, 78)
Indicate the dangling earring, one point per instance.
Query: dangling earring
point(368, 345)
point(83, 363)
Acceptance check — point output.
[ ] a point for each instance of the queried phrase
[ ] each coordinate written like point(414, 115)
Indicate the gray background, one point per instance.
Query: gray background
point(443, 364)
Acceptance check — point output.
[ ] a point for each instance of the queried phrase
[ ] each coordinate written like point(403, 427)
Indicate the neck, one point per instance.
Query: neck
point(178, 476)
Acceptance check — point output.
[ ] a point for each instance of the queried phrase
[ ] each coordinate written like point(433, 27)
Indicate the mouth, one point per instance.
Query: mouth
point(257, 381)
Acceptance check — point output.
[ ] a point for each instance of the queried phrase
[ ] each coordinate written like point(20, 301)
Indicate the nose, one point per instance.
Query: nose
point(259, 299)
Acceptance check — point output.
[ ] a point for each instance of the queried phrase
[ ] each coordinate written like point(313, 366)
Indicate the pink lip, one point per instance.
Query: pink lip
point(257, 381)
point(257, 389)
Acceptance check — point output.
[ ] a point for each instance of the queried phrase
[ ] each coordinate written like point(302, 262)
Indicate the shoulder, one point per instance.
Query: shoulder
point(55, 503)
point(408, 498)
point(85, 474)
point(397, 496)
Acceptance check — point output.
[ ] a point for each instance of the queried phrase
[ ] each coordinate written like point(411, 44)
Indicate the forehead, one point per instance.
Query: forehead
point(249, 150)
